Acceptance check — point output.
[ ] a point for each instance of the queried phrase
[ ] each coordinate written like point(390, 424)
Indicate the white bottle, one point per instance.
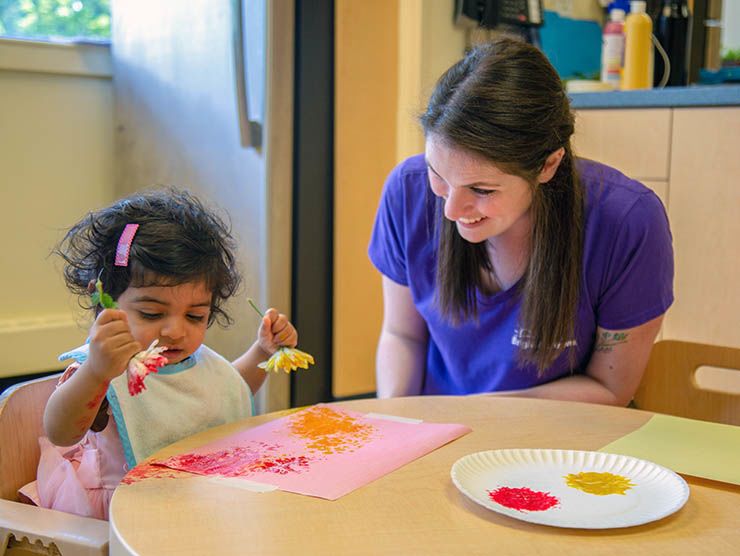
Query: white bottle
point(612, 49)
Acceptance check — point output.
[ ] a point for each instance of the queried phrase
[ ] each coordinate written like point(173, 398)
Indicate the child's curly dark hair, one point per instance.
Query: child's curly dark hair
point(178, 241)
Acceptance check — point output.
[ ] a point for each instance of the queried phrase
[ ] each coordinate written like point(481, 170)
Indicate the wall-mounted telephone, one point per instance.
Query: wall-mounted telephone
point(491, 13)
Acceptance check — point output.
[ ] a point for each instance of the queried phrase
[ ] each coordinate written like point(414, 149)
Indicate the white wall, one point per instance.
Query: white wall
point(730, 25)
point(56, 155)
point(177, 124)
point(429, 43)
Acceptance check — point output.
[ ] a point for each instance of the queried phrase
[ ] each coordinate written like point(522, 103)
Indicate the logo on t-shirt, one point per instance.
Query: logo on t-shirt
point(521, 338)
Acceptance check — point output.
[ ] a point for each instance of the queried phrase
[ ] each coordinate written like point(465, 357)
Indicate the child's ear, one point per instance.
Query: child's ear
point(551, 165)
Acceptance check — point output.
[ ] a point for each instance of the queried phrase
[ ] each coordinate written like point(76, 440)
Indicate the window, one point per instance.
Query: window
point(54, 20)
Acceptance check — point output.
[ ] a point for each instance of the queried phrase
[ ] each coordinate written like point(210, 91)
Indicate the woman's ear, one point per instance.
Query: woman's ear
point(551, 165)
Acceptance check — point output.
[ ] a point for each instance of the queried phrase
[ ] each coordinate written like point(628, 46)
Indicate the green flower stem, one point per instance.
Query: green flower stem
point(99, 297)
point(251, 302)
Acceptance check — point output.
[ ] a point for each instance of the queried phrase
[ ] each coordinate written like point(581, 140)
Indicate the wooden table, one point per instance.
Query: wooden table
point(416, 509)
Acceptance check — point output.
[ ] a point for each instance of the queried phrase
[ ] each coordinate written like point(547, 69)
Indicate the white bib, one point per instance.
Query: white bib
point(201, 392)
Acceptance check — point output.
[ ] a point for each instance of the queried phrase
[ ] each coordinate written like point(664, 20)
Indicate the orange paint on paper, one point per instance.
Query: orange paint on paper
point(599, 484)
point(329, 431)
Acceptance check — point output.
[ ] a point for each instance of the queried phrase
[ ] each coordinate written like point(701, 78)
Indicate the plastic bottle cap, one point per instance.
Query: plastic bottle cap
point(638, 6)
point(619, 4)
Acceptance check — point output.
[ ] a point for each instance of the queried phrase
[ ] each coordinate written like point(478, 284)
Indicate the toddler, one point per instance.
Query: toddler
point(168, 262)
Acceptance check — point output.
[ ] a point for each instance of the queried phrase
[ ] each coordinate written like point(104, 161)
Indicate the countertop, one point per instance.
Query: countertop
point(670, 97)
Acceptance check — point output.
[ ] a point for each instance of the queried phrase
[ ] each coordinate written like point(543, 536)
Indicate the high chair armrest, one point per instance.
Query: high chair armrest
point(72, 534)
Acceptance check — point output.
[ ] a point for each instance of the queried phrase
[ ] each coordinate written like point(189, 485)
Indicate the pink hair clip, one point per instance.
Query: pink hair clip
point(124, 244)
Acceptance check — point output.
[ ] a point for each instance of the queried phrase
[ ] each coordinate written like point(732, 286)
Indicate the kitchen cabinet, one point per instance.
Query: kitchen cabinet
point(636, 141)
point(689, 157)
point(704, 201)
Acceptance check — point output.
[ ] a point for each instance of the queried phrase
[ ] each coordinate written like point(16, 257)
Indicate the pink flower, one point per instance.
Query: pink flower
point(143, 363)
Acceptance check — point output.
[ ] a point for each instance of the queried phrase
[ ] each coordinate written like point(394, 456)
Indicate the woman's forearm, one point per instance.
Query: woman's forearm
point(576, 388)
point(400, 364)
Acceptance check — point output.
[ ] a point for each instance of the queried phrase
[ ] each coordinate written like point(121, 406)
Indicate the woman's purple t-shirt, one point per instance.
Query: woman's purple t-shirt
point(627, 279)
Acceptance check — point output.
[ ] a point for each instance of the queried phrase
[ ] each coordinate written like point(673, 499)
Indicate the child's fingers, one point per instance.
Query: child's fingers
point(109, 326)
point(109, 339)
point(123, 351)
point(271, 315)
point(129, 349)
point(280, 323)
point(110, 315)
point(123, 340)
point(266, 325)
point(284, 332)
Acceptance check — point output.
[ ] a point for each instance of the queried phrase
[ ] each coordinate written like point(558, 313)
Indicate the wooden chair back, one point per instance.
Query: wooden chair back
point(21, 424)
point(27, 529)
point(669, 384)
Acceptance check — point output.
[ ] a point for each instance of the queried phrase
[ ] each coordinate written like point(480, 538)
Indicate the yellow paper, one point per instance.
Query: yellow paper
point(698, 448)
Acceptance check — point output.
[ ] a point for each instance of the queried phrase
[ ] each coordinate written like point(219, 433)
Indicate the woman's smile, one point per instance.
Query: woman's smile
point(471, 222)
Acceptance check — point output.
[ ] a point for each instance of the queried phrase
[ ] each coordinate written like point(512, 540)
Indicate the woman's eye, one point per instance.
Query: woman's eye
point(149, 316)
point(482, 192)
point(197, 318)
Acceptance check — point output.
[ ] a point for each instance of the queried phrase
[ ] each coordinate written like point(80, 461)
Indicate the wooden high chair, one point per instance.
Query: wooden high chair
point(669, 384)
point(27, 529)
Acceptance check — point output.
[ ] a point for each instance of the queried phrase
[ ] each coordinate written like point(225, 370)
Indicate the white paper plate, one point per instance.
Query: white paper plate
point(484, 477)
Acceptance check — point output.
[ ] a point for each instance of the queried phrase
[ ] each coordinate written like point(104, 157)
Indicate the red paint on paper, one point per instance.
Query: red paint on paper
point(281, 465)
point(149, 471)
point(523, 499)
point(228, 463)
point(239, 461)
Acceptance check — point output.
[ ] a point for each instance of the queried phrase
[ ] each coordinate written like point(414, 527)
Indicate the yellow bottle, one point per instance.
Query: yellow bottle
point(638, 30)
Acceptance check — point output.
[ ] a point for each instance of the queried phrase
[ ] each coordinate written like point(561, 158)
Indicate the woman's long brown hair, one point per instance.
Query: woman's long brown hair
point(505, 103)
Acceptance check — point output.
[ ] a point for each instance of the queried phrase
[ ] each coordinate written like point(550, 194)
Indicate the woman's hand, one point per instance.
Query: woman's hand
point(276, 331)
point(111, 345)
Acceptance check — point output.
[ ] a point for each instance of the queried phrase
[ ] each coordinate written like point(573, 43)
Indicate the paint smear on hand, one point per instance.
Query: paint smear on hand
point(600, 484)
point(523, 499)
point(329, 431)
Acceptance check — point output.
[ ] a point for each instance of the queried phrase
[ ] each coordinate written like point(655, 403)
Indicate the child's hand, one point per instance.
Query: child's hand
point(275, 332)
point(111, 345)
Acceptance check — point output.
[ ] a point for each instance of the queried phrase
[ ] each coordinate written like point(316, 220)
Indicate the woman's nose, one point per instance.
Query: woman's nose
point(456, 203)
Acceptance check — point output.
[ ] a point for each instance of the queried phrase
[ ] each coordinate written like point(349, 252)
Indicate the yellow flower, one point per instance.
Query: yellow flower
point(287, 359)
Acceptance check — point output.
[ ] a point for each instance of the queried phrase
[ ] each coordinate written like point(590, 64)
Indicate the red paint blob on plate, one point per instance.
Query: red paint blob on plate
point(523, 499)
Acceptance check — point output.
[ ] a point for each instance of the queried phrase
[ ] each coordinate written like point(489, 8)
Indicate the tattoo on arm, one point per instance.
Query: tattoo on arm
point(606, 341)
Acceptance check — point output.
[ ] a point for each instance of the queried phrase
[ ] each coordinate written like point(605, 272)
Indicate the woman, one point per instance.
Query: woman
point(508, 264)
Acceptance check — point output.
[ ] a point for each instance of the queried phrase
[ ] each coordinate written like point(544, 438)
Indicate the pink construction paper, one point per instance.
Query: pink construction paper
point(320, 451)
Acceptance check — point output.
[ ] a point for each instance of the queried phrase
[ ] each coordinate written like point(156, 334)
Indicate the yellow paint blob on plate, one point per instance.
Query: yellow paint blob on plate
point(600, 484)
